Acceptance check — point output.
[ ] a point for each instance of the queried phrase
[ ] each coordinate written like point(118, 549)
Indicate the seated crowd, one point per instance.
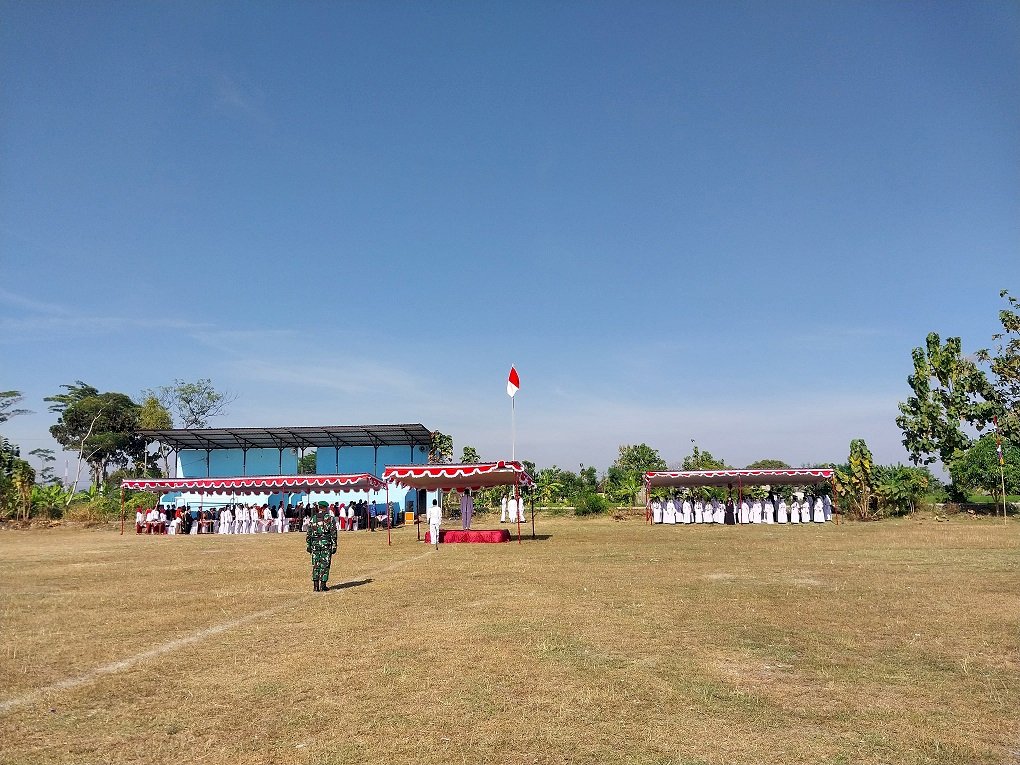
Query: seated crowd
point(682, 509)
point(254, 519)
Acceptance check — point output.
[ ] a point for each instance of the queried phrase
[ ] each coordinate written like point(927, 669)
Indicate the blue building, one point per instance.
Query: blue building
point(339, 449)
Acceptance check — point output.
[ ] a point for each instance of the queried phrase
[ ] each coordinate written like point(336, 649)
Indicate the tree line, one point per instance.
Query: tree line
point(103, 430)
point(963, 410)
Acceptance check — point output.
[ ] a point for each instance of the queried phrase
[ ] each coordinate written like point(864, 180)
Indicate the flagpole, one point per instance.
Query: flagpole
point(513, 428)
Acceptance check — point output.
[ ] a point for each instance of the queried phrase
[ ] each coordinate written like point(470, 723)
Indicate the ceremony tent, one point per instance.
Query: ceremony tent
point(764, 477)
point(463, 477)
point(259, 484)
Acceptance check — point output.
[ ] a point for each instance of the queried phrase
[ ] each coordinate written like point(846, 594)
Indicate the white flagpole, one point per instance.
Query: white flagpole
point(513, 428)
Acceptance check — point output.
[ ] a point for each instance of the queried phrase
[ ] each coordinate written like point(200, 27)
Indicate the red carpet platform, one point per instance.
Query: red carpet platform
point(480, 535)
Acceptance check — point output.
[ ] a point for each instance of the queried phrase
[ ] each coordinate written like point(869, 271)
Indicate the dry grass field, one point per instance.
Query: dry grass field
point(601, 642)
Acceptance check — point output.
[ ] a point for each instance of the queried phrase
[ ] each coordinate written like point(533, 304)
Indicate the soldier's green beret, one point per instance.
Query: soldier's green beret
point(322, 503)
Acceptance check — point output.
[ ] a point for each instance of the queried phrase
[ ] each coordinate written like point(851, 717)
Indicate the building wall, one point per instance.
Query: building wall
point(223, 463)
point(366, 459)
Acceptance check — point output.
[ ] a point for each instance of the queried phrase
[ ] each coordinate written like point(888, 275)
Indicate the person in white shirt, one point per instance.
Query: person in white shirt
point(818, 511)
point(805, 510)
point(718, 512)
point(795, 512)
point(435, 518)
point(756, 511)
point(781, 514)
point(685, 511)
point(669, 514)
point(745, 512)
point(699, 510)
point(827, 507)
point(227, 521)
point(504, 504)
point(139, 521)
point(656, 512)
point(514, 508)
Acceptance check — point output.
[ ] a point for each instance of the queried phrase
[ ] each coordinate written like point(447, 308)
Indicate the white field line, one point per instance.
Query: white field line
point(194, 637)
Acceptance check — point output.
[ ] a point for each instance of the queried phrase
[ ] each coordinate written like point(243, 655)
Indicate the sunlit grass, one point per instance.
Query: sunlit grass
point(605, 641)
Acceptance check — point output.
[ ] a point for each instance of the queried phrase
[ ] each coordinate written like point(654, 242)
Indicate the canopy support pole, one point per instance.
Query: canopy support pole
point(122, 511)
point(648, 502)
point(531, 501)
point(740, 498)
point(389, 518)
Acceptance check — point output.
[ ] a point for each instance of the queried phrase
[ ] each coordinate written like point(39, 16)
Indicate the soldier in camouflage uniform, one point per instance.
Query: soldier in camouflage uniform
point(321, 544)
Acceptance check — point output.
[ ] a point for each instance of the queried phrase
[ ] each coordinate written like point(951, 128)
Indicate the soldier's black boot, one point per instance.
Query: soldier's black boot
point(323, 586)
point(316, 583)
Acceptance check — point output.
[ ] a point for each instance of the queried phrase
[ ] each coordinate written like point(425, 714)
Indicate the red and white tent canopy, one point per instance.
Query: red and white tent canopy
point(259, 484)
point(458, 477)
point(771, 477)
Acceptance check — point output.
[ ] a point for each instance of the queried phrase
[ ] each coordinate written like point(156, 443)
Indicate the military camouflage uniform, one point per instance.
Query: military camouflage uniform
point(321, 544)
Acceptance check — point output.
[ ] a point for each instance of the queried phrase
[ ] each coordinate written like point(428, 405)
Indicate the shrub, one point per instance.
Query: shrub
point(590, 503)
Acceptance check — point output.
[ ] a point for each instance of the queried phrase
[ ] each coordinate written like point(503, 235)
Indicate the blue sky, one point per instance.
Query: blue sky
point(722, 221)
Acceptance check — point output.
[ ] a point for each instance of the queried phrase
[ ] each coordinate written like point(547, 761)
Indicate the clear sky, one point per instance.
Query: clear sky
point(727, 222)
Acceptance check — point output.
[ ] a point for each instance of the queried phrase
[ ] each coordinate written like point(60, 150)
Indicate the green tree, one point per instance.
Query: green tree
point(855, 481)
point(49, 500)
point(639, 458)
point(440, 448)
point(307, 465)
point(1004, 364)
point(154, 416)
point(75, 393)
point(949, 391)
point(627, 486)
point(103, 429)
point(47, 458)
point(900, 487)
point(469, 456)
point(589, 478)
point(193, 402)
point(978, 467)
point(767, 465)
point(8, 400)
point(632, 462)
point(702, 459)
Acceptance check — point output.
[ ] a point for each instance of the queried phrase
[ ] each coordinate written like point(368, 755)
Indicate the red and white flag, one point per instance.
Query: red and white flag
point(513, 382)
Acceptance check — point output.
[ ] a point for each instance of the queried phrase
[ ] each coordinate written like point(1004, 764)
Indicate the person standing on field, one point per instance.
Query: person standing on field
point(435, 519)
point(321, 545)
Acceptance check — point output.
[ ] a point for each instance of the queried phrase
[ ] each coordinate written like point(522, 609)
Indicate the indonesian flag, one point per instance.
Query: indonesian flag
point(513, 382)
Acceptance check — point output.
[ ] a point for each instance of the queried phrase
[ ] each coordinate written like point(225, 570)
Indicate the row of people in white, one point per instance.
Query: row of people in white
point(511, 509)
point(810, 510)
point(245, 519)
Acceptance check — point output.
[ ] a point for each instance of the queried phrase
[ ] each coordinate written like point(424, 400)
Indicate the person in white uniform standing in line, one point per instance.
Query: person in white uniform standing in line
point(818, 512)
point(781, 514)
point(827, 507)
point(467, 509)
point(685, 511)
point(795, 511)
point(435, 518)
point(669, 513)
